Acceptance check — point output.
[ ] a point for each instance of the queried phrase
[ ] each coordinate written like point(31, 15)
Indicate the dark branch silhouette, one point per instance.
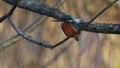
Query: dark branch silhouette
point(10, 12)
point(102, 11)
point(27, 37)
point(63, 50)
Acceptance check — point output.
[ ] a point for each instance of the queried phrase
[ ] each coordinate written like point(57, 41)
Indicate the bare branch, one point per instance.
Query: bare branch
point(100, 28)
point(27, 37)
point(64, 40)
point(38, 8)
point(63, 50)
point(102, 11)
point(10, 12)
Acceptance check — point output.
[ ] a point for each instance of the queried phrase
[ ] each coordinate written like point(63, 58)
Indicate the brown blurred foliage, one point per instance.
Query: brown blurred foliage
point(92, 51)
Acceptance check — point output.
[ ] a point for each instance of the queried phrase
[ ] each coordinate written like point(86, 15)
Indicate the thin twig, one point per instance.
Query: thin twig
point(64, 40)
point(102, 11)
point(5, 16)
point(9, 13)
point(27, 37)
point(63, 50)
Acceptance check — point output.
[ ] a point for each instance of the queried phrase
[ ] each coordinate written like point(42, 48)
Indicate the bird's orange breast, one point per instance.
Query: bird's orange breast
point(68, 29)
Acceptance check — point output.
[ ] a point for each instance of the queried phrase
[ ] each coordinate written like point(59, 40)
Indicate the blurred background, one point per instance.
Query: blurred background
point(93, 50)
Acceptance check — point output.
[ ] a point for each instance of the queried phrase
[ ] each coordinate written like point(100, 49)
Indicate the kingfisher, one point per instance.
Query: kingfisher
point(70, 26)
